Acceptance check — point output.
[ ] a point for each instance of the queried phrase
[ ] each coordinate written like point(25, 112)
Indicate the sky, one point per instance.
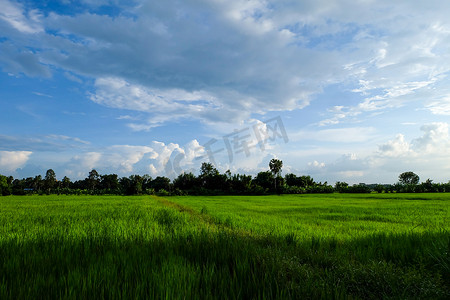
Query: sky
point(354, 91)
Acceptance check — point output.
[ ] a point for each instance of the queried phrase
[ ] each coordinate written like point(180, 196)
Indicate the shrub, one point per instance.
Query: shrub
point(163, 193)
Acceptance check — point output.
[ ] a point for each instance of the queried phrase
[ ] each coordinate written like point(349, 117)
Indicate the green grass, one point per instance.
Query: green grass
point(392, 246)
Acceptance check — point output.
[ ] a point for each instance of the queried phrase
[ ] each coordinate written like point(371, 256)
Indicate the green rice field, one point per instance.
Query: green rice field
point(334, 246)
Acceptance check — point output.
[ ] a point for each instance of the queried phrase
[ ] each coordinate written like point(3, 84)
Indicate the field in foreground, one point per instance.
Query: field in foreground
point(292, 246)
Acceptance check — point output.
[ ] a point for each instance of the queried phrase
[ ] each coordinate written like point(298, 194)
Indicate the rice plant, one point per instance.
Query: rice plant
point(231, 247)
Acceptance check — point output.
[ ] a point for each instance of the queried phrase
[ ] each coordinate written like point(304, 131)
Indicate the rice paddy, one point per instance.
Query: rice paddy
point(335, 246)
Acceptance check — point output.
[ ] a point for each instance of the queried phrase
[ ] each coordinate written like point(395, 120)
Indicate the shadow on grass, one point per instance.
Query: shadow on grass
point(225, 265)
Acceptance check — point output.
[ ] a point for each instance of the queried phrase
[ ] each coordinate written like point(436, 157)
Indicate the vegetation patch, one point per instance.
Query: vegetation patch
point(239, 247)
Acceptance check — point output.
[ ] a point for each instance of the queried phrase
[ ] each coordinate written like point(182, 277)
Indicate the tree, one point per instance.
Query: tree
point(240, 183)
point(408, 178)
point(49, 180)
point(93, 179)
point(291, 179)
point(161, 183)
point(109, 183)
point(341, 186)
point(264, 179)
point(210, 177)
point(379, 188)
point(185, 181)
point(428, 186)
point(5, 187)
point(275, 166)
point(37, 183)
point(207, 169)
point(136, 184)
point(66, 182)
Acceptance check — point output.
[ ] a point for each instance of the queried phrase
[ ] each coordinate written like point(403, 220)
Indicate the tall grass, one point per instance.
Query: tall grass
point(224, 247)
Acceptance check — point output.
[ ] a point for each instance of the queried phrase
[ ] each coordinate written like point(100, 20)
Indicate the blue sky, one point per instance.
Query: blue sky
point(354, 91)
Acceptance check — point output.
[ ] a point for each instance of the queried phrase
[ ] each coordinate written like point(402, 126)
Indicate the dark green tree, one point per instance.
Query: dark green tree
point(136, 184)
point(185, 181)
point(50, 180)
point(109, 183)
point(264, 180)
point(210, 178)
point(208, 169)
point(38, 183)
point(341, 187)
point(93, 179)
point(275, 166)
point(428, 186)
point(240, 183)
point(65, 182)
point(5, 187)
point(299, 181)
point(408, 178)
point(379, 188)
point(291, 179)
point(161, 183)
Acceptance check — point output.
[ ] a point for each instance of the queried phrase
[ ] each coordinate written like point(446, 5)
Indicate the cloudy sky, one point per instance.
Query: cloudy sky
point(355, 91)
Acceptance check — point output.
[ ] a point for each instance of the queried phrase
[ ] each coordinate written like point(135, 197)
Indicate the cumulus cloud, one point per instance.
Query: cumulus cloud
point(124, 157)
point(81, 164)
point(435, 138)
point(316, 165)
point(395, 148)
point(167, 159)
point(156, 159)
point(12, 160)
point(426, 153)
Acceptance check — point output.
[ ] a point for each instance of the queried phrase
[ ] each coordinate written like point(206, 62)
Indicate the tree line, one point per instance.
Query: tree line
point(209, 182)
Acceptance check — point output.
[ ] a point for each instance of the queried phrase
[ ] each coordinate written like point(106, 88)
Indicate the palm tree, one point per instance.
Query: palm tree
point(275, 166)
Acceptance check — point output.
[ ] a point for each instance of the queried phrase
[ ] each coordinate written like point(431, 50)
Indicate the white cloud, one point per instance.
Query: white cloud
point(164, 159)
point(66, 138)
point(317, 165)
point(14, 15)
point(434, 140)
point(426, 155)
point(233, 57)
point(156, 159)
point(224, 60)
point(440, 107)
point(395, 148)
point(352, 175)
point(12, 160)
point(80, 165)
point(124, 157)
point(163, 105)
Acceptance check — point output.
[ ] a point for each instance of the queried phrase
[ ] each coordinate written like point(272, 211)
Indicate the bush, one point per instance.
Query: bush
point(178, 192)
point(359, 188)
point(294, 190)
point(163, 193)
point(150, 191)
